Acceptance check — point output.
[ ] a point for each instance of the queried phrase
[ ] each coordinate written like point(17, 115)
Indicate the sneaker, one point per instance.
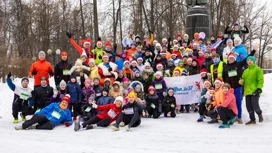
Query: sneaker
point(15, 121)
point(127, 127)
point(200, 119)
point(115, 127)
point(223, 126)
point(18, 127)
point(231, 121)
point(23, 117)
point(239, 121)
point(76, 126)
point(88, 127)
point(260, 118)
point(213, 121)
point(251, 122)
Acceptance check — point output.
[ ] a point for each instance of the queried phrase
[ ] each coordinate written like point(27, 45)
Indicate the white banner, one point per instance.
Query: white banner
point(186, 91)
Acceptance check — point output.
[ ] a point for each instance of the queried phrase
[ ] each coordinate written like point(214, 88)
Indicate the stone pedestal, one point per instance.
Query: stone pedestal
point(198, 19)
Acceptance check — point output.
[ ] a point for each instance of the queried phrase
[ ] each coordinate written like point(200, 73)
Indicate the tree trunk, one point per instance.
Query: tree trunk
point(96, 31)
point(82, 21)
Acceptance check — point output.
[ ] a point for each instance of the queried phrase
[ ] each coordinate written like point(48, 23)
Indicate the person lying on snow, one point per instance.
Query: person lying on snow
point(110, 113)
point(50, 116)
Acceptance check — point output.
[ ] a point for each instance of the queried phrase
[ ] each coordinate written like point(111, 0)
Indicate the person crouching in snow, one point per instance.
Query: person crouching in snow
point(22, 100)
point(153, 103)
point(169, 103)
point(228, 109)
point(131, 114)
point(50, 116)
point(204, 97)
point(159, 84)
point(110, 113)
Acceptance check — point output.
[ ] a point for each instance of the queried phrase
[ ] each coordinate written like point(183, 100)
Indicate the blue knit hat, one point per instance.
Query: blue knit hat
point(251, 58)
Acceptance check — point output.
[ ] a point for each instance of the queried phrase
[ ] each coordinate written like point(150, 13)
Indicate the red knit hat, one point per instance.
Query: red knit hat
point(203, 71)
point(231, 55)
point(151, 88)
point(207, 81)
point(159, 64)
point(66, 98)
point(218, 80)
point(108, 43)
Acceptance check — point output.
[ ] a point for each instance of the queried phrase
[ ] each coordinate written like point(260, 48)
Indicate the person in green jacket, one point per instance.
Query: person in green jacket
point(252, 80)
point(98, 53)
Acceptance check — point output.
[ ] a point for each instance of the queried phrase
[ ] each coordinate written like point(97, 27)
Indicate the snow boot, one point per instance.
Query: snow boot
point(23, 117)
point(165, 114)
point(223, 126)
point(200, 119)
point(18, 127)
point(213, 121)
point(77, 124)
point(115, 127)
point(260, 118)
point(16, 120)
point(251, 122)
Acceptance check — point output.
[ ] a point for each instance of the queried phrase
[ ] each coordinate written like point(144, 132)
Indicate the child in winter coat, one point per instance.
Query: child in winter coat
point(87, 93)
point(87, 110)
point(228, 109)
point(130, 115)
point(159, 84)
point(22, 100)
point(169, 103)
point(204, 97)
point(116, 90)
point(105, 98)
point(59, 93)
point(128, 73)
point(133, 66)
point(110, 113)
point(137, 77)
point(153, 103)
point(75, 92)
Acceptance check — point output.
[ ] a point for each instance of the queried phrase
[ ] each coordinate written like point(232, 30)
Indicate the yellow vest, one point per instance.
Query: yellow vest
point(219, 71)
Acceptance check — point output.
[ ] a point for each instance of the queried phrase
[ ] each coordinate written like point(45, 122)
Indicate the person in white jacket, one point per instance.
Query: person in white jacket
point(229, 48)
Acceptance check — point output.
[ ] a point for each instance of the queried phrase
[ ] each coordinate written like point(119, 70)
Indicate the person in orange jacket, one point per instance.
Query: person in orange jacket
point(217, 99)
point(131, 52)
point(41, 68)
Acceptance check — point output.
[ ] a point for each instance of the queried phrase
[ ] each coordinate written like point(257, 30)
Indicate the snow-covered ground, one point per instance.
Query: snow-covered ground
point(179, 135)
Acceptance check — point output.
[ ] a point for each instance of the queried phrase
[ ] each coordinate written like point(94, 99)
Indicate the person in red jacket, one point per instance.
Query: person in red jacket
point(41, 68)
point(110, 113)
point(227, 110)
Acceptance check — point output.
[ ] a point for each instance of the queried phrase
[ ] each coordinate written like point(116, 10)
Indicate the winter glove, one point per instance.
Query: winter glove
point(109, 69)
point(67, 124)
point(34, 72)
point(9, 75)
point(252, 53)
point(51, 73)
point(197, 83)
point(164, 94)
point(69, 35)
point(169, 39)
point(172, 105)
point(100, 57)
point(55, 93)
point(94, 105)
point(257, 92)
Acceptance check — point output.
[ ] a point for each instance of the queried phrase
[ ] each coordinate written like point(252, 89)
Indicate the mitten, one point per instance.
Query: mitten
point(55, 93)
point(34, 72)
point(9, 75)
point(69, 35)
point(109, 69)
point(257, 92)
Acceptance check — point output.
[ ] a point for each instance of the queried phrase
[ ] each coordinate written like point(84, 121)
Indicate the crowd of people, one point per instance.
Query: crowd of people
point(105, 87)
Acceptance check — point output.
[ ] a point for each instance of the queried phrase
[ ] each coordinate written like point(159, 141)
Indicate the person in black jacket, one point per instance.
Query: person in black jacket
point(97, 88)
point(153, 103)
point(169, 103)
point(41, 95)
point(131, 114)
point(232, 73)
point(208, 61)
point(62, 69)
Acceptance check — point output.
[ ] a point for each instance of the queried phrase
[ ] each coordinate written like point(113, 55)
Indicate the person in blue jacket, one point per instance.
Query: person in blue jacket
point(74, 90)
point(50, 116)
point(22, 100)
point(239, 49)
